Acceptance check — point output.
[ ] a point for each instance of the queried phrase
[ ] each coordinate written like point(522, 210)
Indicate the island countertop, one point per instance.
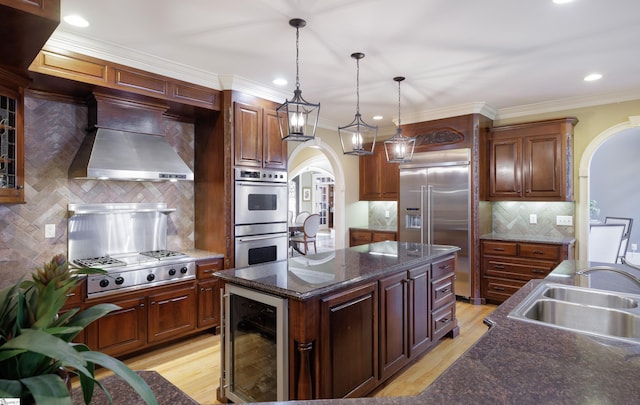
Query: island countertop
point(304, 277)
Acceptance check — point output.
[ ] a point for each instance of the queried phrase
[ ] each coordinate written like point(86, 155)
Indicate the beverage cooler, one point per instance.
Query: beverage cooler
point(255, 354)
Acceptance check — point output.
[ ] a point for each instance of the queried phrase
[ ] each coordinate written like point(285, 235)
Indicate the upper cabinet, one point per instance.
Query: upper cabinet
point(257, 137)
point(532, 161)
point(11, 138)
point(379, 179)
point(26, 25)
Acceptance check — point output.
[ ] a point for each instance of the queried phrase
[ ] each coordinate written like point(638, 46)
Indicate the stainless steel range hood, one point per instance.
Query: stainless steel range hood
point(109, 154)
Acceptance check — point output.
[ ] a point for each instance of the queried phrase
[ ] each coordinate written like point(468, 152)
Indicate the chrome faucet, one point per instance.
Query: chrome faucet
point(612, 269)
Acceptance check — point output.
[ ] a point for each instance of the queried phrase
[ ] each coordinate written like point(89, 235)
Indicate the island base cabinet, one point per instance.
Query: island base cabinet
point(348, 327)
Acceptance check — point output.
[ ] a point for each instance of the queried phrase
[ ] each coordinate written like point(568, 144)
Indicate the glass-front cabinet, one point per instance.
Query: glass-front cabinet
point(11, 147)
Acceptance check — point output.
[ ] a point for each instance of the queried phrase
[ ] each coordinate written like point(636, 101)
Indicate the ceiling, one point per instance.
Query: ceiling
point(500, 57)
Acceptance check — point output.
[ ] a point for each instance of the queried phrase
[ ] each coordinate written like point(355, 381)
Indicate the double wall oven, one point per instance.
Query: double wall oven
point(260, 216)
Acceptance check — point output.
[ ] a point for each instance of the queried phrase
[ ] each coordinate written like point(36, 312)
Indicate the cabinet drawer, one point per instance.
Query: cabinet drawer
point(537, 251)
point(206, 268)
point(442, 292)
point(380, 236)
point(517, 269)
point(500, 248)
point(500, 289)
point(442, 318)
point(359, 237)
point(443, 268)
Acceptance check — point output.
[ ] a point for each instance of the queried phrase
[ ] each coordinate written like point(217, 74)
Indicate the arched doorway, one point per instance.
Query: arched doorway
point(339, 185)
point(582, 210)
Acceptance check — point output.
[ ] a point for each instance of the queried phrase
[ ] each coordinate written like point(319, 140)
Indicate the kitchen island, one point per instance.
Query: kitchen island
point(355, 316)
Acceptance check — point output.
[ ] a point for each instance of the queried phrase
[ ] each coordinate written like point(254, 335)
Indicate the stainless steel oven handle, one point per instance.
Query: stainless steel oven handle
point(261, 237)
point(260, 184)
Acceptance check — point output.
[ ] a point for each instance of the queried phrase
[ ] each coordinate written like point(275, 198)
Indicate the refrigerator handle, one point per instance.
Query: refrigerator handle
point(422, 188)
point(429, 214)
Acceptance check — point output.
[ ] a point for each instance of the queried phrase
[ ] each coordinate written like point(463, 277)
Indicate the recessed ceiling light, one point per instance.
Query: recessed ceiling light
point(562, 1)
point(377, 117)
point(76, 21)
point(592, 77)
point(280, 81)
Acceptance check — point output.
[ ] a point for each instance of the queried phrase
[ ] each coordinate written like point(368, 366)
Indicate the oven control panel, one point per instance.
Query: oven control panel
point(272, 176)
point(125, 280)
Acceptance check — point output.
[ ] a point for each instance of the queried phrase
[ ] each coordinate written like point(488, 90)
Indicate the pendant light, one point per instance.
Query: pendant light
point(298, 118)
point(399, 148)
point(353, 135)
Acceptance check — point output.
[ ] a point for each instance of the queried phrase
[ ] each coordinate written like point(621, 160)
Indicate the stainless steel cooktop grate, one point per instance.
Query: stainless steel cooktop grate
point(162, 254)
point(102, 261)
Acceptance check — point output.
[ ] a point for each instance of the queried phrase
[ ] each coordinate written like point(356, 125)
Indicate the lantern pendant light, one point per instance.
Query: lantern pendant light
point(399, 148)
point(298, 119)
point(353, 135)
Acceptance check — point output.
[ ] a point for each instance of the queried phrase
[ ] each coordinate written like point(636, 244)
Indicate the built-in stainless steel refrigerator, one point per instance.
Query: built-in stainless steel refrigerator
point(435, 205)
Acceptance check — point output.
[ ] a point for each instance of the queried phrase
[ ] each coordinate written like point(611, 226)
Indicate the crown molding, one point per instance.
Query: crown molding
point(568, 104)
point(150, 63)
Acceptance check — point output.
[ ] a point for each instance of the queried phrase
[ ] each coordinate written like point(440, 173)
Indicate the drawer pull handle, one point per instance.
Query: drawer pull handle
point(445, 267)
point(498, 249)
point(499, 266)
point(444, 320)
point(538, 252)
point(498, 288)
point(445, 290)
point(538, 271)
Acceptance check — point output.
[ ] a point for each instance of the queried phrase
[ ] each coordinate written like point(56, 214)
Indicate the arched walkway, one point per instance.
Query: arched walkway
point(339, 186)
point(582, 210)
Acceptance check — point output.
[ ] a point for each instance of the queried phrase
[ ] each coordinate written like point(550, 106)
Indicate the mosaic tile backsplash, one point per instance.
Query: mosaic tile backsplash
point(53, 132)
point(378, 211)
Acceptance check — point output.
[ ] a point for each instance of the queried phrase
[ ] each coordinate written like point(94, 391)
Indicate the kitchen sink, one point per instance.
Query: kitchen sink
point(590, 297)
point(595, 312)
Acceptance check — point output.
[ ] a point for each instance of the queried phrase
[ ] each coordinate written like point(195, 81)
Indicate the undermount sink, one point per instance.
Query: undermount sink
point(600, 313)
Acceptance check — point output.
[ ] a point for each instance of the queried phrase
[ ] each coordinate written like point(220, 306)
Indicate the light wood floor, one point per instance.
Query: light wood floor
point(193, 365)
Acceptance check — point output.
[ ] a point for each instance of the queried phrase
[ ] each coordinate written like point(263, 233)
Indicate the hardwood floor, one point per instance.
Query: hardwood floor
point(193, 364)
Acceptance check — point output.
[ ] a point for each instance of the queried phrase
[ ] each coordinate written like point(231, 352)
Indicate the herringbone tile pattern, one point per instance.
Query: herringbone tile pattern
point(53, 133)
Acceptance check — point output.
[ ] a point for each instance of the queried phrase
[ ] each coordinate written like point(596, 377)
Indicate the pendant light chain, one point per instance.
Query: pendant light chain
point(357, 86)
point(399, 121)
point(297, 58)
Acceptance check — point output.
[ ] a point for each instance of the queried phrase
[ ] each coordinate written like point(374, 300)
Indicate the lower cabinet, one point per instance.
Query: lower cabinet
point(208, 292)
point(359, 236)
point(508, 265)
point(121, 331)
point(348, 325)
point(171, 313)
point(348, 342)
point(154, 316)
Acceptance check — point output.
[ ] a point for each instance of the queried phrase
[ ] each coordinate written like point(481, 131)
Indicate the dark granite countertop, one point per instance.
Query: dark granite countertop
point(561, 240)
point(122, 393)
point(518, 362)
point(303, 277)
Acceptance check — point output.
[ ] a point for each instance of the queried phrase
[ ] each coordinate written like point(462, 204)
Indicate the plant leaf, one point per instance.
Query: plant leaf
point(90, 314)
point(10, 389)
point(121, 369)
point(48, 389)
point(38, 341)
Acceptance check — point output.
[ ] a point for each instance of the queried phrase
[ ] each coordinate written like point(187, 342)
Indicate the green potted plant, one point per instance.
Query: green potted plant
point(36, 346)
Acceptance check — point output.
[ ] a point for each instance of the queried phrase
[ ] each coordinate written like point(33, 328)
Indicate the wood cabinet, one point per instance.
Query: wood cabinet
point(379, 179)
point(508, 265)
point(26, 26)
point(208, 292)
point(348, 325)
point(348, 342)
point(257, 137)
point(122, 331)
point(11, 138)
point(146, 317)
point(171, 313)
point(532, 161)
point(361, 236)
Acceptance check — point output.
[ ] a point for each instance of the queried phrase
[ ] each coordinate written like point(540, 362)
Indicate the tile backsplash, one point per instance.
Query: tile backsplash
point(53, 132)
point(513, 217)
point(383, 214)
